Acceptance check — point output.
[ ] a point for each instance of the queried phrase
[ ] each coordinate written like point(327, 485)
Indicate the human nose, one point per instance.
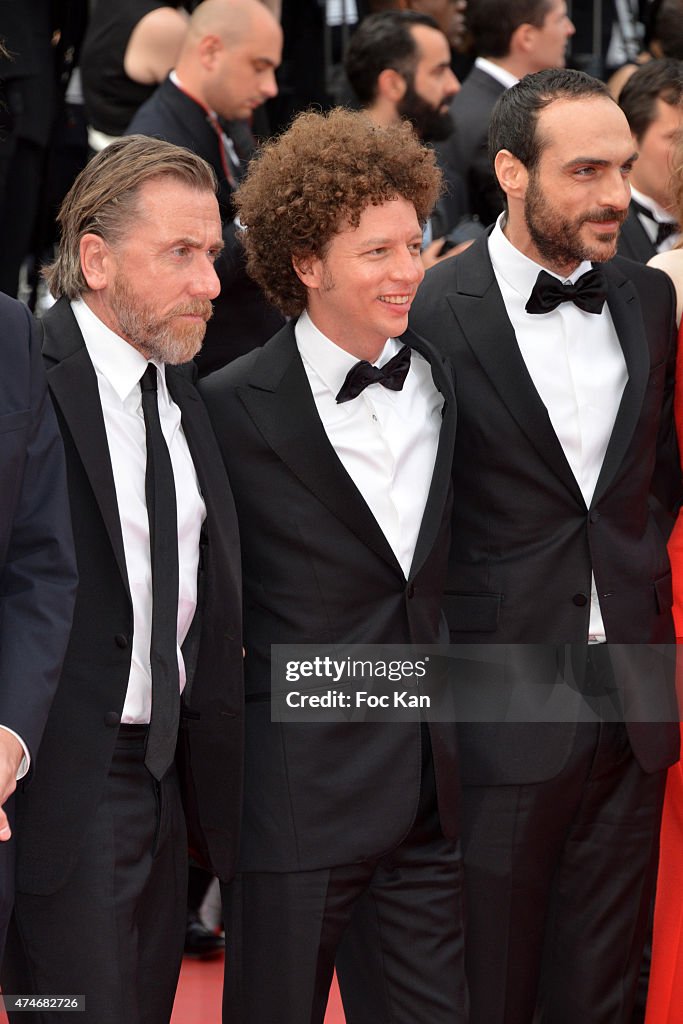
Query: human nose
point(408, 266)
point(205, 282)
point(571, 27)
point(452, 84)
point(269, 85)
point(617, 191)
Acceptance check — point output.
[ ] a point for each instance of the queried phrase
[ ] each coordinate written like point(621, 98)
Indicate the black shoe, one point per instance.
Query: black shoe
point(200, 942)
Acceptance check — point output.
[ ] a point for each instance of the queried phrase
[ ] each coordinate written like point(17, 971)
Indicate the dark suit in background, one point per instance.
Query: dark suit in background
point(325, 802)
point(242, 318)
point(57, 812)
point(524, 545)
point(466, 151)
point(634, 241)
point(38, 570)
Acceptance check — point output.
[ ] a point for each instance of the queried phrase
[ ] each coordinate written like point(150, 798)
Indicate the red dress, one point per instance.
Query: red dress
point(665, 994)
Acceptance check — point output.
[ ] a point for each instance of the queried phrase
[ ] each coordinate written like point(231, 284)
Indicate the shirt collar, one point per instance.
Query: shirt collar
point(500, 74)
point(518, 270)
point(660, 215)
point(330, 362)
point(113, 358)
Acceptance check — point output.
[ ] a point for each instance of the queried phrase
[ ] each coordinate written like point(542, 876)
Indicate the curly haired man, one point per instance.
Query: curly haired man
point(338, 438)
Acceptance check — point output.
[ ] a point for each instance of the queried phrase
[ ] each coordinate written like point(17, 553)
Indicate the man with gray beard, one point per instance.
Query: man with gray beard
point(101, 833)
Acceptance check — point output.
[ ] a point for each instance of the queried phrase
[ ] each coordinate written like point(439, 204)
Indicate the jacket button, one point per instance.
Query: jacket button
point(112, 718)
point(595, 515)
point(580, 600)
point(411, 590)
point(121, 641)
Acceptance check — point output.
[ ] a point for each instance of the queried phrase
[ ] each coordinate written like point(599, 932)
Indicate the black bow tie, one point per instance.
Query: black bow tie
point(392, 375)
point(589, 293)
point(665, 228)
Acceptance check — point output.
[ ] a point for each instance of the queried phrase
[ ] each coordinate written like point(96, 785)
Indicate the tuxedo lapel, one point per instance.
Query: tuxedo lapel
point(278, 399)
point(628, 322)
point(205, 457)
point(441, 477)
point(480, 311)
point(73, 384)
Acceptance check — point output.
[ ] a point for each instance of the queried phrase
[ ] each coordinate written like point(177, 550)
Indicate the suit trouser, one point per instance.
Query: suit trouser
point(559, 877)
point(7, 854)
point(284, 930)
point(115, 930)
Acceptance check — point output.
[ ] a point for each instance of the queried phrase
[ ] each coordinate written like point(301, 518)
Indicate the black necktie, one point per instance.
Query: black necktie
point(665, 228)
point(163, 539)
point(589, 292)
point(392, 375)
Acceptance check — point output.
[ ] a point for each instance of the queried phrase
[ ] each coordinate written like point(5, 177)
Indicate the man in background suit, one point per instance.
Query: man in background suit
point(342, 491)
point(226, 69)
point(398, 65)
point(512, 38)
point(564, 442)
point(652, 101)
point(102, 841)
point(38, 569)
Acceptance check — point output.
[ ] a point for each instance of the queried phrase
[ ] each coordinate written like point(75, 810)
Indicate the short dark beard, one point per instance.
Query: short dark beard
point(557, 239)
point(431, 124)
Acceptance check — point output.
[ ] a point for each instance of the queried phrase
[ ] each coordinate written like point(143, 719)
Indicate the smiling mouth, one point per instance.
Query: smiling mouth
point(395, 300)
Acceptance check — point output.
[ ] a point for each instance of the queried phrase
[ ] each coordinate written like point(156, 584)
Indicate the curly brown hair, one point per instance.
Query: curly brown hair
point(316, 180)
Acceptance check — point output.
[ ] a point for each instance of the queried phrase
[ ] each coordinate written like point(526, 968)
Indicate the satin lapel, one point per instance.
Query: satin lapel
point(278, 399)
point(206, 459)
point(624, 306)
point(73, 384)
point(480, 311)
point(443, 464)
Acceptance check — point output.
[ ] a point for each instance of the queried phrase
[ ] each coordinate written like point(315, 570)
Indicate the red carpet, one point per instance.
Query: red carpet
point(199, 995)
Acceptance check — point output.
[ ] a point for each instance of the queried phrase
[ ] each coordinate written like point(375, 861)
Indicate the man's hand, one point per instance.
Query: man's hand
point(431, 253)
point(11, 754)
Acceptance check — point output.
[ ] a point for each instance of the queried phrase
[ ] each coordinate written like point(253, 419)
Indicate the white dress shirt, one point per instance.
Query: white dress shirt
point(577, 366)
point(119, 368)
point(386, 440)
point(659, 216)
point(500, 74)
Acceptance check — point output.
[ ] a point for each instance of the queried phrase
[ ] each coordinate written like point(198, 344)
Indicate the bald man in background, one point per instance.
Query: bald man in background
point(226, 69)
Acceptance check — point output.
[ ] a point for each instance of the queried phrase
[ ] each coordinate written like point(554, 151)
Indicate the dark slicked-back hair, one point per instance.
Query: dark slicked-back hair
point(103, 200)
point(492, 23)
point(658, 79)
point(316, 180)
point(513, 124)
point(383, 41)
point(666, 27)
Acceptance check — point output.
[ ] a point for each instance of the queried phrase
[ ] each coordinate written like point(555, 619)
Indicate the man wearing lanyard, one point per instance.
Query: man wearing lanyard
point(225, 71)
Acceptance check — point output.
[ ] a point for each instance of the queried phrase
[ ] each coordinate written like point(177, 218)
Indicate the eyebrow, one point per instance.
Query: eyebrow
point(595, 161)
point(194, 243)
point(383, 241)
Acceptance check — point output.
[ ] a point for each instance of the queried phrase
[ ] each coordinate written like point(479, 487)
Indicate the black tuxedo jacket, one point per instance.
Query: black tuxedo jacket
point(318, 569)
point(81, 731)
point(37, 564)
point(466, 150)
point(634, 241)
point(242, 318)
point(524, 543)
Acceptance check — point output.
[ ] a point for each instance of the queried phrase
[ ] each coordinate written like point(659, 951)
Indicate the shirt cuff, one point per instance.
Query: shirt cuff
point(25, 763)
